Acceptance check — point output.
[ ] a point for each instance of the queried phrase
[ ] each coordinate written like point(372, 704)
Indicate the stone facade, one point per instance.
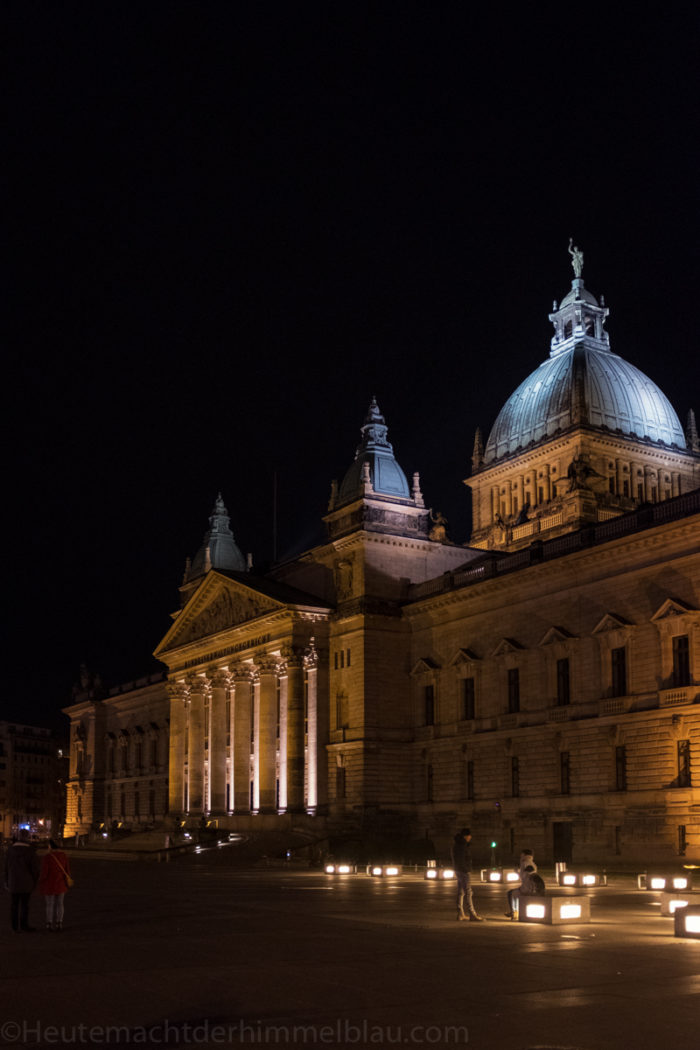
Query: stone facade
point(541, 685)
point(119, 750)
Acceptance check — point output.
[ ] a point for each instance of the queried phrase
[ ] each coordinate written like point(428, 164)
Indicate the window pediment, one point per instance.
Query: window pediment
point(672, 608)
point(506, 646)
point(464, 659)
point(611, 622)
point(554, 635)
point(424, 666)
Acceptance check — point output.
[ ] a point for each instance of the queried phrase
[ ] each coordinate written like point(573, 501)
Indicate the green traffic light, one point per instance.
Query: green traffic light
point(493, 845)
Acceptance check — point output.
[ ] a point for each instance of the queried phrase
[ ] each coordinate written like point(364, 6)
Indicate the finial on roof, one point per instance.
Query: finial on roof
point(576, 258)
point(478, 451)
point(691, 433)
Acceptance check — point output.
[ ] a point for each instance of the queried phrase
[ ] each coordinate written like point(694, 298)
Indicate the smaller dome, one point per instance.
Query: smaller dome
point(218, 550)
point(375, 457)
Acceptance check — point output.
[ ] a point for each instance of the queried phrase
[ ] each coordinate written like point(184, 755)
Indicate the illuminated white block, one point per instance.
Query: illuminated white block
point(588, 880)
point(330, 869)
point(687, 921)
point(495, 876)
point(568, 880)
point(391, 871)
point(671, 902)
point(680, 882)
point(384, 869)
point(512, 876)
point(431, 873)
point(377, 871)
point(554, 910)
point(447, 873)
point(658, 883)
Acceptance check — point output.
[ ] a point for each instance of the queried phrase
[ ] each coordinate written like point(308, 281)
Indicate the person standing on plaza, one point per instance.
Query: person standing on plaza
point(54, 880)
point(462, 863)
point(21, 874)
point(526, 869)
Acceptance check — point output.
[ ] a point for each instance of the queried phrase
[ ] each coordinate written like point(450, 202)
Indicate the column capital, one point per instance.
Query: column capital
point(177, 690)
point(267, 664)
point(219, 678)
point(240, 672)
point(199, 684)
point(311, 656)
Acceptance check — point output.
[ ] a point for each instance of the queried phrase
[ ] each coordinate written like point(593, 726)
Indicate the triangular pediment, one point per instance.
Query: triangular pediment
point(555, 634)
point(610, 622)
point(424, 666)
point(462, 656)
point(217, 605)
point(671, 607)
point(507, 645)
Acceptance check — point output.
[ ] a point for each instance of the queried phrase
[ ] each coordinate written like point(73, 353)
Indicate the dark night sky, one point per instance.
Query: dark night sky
point(231, 224)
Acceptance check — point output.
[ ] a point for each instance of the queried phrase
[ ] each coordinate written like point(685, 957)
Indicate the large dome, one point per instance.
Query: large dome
point(582, 383)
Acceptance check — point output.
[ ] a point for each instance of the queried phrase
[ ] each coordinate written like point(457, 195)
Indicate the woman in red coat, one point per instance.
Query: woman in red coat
point(53, 883)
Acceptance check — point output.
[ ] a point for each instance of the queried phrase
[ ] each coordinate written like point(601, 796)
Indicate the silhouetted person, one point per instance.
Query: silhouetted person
point(21, 874)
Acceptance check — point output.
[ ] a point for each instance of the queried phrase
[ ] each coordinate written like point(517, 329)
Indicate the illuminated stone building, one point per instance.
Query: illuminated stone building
point(118, 773)
point(541, 685)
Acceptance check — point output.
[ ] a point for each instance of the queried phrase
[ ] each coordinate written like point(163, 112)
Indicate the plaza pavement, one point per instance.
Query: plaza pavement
point(204, 951)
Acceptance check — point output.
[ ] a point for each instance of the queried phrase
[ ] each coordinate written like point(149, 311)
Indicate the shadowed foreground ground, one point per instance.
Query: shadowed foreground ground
point(201, 952)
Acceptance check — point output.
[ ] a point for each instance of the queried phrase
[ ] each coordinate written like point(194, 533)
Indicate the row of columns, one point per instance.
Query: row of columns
point(654, 487)
point(238, 739)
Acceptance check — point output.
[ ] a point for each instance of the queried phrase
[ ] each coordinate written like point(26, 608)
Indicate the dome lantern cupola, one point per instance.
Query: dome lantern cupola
point(219, 549)
point(375, 469)
point(585, 437)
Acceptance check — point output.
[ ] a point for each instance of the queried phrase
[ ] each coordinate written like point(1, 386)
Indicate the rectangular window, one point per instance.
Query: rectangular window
point(684, 777)
point(335, 661)
point(342, 658)
point(621, 768)
point(340, 782)
point(430, 705)
point(681, 660)
point(565, 772)
point(348, 658)
point(640, 492)
point(563, 686)
point(625, 488)
point(470, 779)
point(513, 690)
point(682, 840)
point(515, 776)
point(467, 704)
point(429, 783)
point(154, 752)
point(611, 483)
point(618, 658)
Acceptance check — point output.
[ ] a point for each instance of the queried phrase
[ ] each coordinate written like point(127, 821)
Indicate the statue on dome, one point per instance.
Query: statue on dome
point(438, 533)
point(576, 258)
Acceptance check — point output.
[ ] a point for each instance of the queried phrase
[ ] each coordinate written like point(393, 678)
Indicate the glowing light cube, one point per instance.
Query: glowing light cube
point(687, 922)
point(680, 882)
point(658, 883)
point(589, 880)
point(568, 880)
point(431, 873)
point(512, 876)
point(495, 876)
point(535, 911)
point(570, 911)
point(692, 924)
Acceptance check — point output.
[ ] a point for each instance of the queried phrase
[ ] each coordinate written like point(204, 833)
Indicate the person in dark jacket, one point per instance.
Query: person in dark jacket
point(21, 875)
point(53, 883)
point(462, 863)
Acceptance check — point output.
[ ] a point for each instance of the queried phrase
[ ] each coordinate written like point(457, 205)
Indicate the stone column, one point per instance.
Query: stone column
point(619, 476)
point(178, 693)
point(283, 724)
point(242, 684)
point(218, 732)
point(266, 733)
point(295, 733)
point(675, 483)
point(311, 729)
point(198, 688)
point(495, 502)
